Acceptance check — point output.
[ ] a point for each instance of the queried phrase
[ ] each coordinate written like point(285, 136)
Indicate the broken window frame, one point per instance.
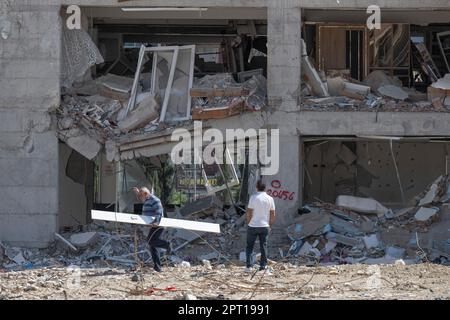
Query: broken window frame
point(444, 55)
point(234, 179)
point(173, 65)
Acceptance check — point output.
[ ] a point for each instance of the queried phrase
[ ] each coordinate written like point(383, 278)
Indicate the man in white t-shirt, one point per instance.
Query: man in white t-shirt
point(260, 218)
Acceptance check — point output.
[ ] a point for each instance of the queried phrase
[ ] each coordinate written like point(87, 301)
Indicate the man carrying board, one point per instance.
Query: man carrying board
point(153, 208)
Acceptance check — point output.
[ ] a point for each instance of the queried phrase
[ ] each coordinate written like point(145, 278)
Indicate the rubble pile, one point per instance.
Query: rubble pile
point(360, 230)
point(104, 244)
point(253, 92)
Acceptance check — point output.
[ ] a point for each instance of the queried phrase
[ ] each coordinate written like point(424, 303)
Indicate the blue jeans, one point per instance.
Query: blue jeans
point(252, 234)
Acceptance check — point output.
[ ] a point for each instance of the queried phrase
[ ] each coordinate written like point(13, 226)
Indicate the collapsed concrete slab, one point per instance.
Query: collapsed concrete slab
point(311, 75)
point(393, 92)
point(83, 144)
point(361, 205)
point(425, 214)
point(147, 110)
point(83, 240)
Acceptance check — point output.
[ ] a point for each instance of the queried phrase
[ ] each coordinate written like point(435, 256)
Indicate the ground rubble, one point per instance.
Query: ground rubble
point(361, 230)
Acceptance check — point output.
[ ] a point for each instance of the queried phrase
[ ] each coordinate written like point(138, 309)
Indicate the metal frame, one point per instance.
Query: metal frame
point(235, 179)
point(438, 36)
point(173, 66)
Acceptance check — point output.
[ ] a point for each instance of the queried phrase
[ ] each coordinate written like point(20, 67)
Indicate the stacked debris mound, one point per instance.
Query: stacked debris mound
point(360, 230)
point(106, 244)
point(197, 246)
point(337, 91)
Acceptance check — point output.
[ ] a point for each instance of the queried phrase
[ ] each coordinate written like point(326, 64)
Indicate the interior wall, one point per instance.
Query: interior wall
point(366, 169)
point(72, 195)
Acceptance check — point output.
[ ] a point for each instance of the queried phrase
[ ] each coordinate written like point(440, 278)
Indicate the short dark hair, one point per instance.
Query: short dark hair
point(260, 186)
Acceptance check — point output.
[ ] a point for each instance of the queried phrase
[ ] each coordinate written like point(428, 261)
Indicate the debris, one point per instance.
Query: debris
point(83, 240)
point(207, 264)
point(393, 92)
point(346, 155)
point(147, 110)
point(307, 225)
point(395, 252)
point(348, 241)
point(189, 297)
point(71, 246)
point(431, 194)
point(311, 75)
point(355, 91)
point(361, 205)
point(424, 214)
point(371, 241)
point(378, 78)
point(135, 278)
point(84, 144)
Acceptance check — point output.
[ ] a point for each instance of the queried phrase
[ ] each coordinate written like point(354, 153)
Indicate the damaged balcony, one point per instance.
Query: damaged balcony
point(138, 81)
point(400, 67)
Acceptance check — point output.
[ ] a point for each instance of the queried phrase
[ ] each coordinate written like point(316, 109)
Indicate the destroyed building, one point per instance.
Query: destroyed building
point(363, 117)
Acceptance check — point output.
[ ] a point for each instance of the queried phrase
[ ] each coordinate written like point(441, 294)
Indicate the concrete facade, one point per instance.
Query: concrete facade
point(29, 90)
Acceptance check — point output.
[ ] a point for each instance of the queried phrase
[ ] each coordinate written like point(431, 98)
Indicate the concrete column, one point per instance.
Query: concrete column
point(284, 54)
point(284, 84)
point(29, 89)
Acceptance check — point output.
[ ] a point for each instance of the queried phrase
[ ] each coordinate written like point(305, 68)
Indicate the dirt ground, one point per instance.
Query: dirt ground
point(421, 281)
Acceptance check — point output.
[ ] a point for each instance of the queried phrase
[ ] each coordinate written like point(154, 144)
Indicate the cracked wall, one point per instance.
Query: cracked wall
point(29, 90)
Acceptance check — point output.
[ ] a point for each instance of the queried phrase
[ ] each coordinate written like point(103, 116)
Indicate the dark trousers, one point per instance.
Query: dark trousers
point(155, 242)
point(252, 234)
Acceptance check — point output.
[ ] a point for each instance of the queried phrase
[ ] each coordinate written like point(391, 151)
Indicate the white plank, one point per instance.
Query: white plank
point(165, 222)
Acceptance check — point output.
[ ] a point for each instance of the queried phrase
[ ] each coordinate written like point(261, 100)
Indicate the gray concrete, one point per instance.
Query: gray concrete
point(311, 123)
point(29, 88)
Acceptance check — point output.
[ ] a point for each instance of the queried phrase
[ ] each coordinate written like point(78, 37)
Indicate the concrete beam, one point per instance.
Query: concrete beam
point(311, 123)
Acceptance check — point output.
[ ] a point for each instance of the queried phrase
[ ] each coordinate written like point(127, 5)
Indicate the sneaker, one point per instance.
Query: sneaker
point(248, 270)
point(267, 271)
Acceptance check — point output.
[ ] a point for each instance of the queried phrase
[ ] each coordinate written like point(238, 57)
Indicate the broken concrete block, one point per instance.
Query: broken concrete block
point(378, 78)
point(431, 194)
point(209, 256)
point(348, 241)
point(329, 246)
point(147, 110)
point(371, 241)
point(361, 205)
point(355, 91)
point(85, 145)
point(335, 86)
point(310, 224)
point(424, 214)
point(346, 155)
point(83, 240)
point(305, 249)
point(393, 92)
point(395, 252)
point(345, 227)
point(16, 255)
point(311, 75)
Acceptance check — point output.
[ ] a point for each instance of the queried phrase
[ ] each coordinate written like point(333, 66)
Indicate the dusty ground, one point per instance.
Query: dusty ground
point(423, 281)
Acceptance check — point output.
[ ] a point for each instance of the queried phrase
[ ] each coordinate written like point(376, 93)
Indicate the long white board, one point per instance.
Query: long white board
point(145, 220)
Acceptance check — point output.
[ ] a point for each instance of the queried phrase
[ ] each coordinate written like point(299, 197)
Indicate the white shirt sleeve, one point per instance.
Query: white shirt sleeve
point(272, 204)
point(251, 203)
